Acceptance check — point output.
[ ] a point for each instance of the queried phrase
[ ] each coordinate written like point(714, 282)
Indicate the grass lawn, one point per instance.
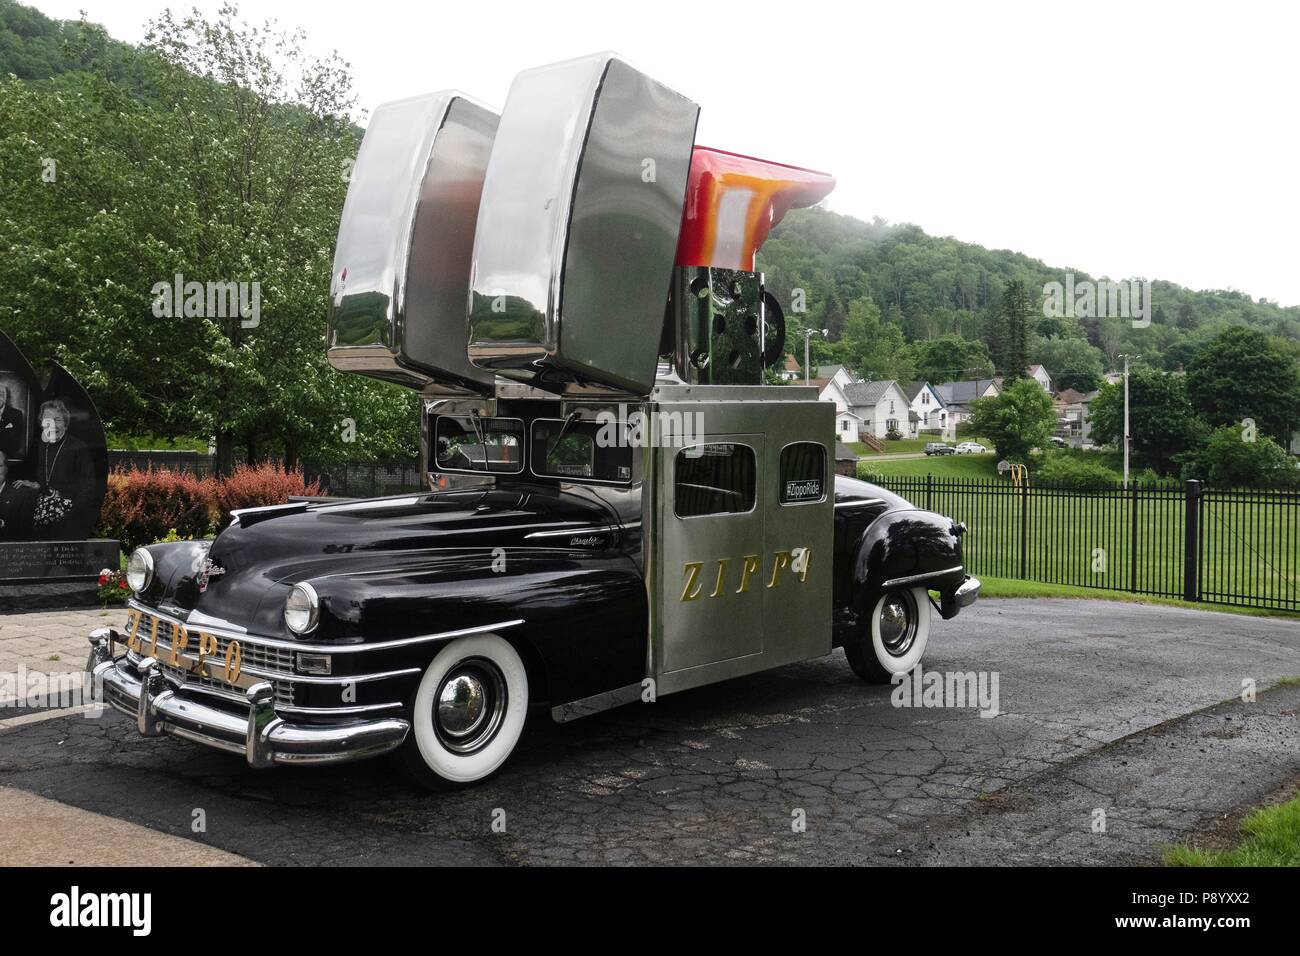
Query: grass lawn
point(941, 466)
point(148, 442)
point(1271, 838)
point(902, 446)
point(1015, 588)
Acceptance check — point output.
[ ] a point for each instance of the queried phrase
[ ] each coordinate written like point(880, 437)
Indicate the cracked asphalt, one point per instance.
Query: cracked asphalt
point(1131, 710)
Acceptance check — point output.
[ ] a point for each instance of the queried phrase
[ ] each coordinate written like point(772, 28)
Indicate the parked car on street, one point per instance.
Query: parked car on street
point(939, 448)
point(971, 448)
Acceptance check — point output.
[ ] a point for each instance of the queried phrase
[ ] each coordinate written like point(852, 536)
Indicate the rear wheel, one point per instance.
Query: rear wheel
point(468, 714)
point(893, 638)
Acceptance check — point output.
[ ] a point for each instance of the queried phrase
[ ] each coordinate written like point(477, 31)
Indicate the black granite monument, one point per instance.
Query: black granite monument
point(53, 475)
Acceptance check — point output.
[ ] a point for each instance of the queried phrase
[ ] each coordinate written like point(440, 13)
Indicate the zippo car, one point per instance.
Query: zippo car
point(617, 508)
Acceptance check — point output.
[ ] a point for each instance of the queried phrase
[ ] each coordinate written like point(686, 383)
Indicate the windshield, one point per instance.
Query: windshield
point(580, 449)
point(478, 444)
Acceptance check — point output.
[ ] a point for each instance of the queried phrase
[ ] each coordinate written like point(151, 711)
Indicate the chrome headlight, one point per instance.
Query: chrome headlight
point(302, 608)
point(139, 570)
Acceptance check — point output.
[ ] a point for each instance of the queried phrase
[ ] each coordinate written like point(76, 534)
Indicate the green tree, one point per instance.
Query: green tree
point(1017, 420)
point(950, 358)
point(1071, 362)
point(228, 165)
point(1163, 428)
point(1015, 312)
point(871, 346)
point(1233, 456)
point(1244, 374)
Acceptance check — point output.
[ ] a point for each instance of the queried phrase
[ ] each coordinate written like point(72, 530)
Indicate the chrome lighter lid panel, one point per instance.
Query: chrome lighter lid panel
point(577, 231)
point(406, 238)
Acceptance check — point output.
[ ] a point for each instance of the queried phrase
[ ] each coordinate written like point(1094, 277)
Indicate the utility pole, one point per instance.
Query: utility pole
point(807, 333)
point(1126, 433)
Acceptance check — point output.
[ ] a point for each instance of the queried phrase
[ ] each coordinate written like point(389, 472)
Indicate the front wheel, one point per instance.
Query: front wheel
point(892, 640)
point(468, 714)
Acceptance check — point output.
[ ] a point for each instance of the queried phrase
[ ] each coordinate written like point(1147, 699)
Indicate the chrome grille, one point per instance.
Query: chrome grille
point(259, 656)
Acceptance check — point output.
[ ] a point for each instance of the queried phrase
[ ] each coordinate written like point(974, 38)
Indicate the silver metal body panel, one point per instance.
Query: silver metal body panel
point(578, 226)
point(406, 239)
point(743, 608)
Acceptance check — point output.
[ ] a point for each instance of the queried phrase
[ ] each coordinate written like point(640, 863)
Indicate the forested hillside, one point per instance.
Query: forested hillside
point(904, 288)
point(221, 152)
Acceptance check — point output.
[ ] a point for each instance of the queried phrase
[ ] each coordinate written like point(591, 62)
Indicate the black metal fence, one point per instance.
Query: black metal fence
point(351, 479)
point(190, 461)
point(1222, 546)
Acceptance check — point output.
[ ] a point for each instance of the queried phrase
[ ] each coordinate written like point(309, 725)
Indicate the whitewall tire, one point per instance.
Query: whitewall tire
point(893, 638)
point(468, 714)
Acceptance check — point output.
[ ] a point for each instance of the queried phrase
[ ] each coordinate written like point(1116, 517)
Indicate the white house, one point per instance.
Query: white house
point(790, 371)
point(957, 396)
point(927, 412)
point(1039, 375)
point(830, 390)
point(847, 426)
point(1072, 417)
point(882, 406)
point(839, 374)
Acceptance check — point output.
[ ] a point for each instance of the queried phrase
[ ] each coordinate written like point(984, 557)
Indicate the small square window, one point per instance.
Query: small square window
point(715, 479)
point(803, 473)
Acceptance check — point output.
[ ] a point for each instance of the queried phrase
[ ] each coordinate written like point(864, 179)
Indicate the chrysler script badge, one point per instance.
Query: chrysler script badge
point(209, 570)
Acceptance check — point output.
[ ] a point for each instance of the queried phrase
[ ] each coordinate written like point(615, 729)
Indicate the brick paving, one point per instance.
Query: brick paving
point(52, 641)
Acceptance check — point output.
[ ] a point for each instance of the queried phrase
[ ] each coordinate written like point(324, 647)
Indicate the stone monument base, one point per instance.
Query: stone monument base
point(53, 574)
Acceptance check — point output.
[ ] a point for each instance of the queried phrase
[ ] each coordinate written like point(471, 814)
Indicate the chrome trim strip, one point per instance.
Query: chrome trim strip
point(859, 502)
point(324, 648)
point(294, 677)
point(566, 532)
point(238, 513)
point(332, 711)
point(395, 501)
point(913, 578)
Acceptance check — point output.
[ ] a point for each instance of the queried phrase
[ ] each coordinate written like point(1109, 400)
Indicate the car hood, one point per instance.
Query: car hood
point(253, 564)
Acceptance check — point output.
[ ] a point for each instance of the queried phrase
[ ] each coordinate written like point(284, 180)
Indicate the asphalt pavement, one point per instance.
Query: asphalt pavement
point(1111, 739)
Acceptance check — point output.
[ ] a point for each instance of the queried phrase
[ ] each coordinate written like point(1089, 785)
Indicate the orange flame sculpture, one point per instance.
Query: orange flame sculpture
point(732, 203)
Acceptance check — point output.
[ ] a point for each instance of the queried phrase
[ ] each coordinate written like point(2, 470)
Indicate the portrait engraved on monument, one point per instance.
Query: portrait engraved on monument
point(53, 457)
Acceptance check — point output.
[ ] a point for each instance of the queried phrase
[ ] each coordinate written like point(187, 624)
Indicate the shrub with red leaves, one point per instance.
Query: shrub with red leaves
point(141, 507)
point(252, 486)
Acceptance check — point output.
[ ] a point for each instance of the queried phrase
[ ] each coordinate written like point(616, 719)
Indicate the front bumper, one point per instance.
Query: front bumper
point(260, 735)
point(963, 595)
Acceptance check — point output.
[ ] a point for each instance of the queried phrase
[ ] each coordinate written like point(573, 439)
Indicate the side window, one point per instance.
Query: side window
point(715, 479)
point(803, 473)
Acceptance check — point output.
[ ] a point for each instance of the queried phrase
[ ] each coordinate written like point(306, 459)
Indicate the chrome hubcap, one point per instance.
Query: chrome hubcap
point(898, 623)
point(471, 703)
point(461, 705)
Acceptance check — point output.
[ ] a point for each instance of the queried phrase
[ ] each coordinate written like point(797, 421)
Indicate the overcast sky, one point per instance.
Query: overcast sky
point(1127, 139)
